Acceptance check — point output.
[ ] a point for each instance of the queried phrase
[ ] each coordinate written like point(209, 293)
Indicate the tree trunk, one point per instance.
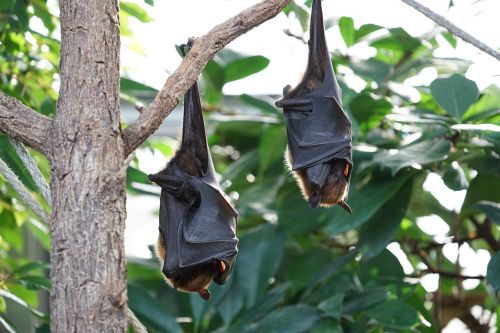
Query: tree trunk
point(88, 179)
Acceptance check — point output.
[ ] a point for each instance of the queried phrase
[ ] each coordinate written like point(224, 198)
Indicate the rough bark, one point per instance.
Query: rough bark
point(22, 123)
point(202, 51)
point(88, 182)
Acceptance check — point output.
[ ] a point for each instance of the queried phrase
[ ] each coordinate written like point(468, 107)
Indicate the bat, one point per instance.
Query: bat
point(197, 241)
point(319, 132)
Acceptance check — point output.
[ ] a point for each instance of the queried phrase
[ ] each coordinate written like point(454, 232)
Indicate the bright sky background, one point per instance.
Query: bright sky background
point(176, 21)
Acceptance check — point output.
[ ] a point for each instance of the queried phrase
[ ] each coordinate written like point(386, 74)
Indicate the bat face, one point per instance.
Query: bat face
point(196, 279)
point(332, 191)
point(319, 133)
point(197, 241)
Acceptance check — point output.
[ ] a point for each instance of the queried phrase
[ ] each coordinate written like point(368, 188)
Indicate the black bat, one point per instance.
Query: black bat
point(319, 133)
point(197, 242)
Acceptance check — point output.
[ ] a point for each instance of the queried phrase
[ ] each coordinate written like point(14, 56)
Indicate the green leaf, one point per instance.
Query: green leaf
point(384, 267)
point(9, 327)
point(244, 67)
point(421, 153)
point(301, 14)
point(372, 69)
point(376, 193)
point(398, 40)
point(9, 156)
point(450, 38)
point(481, 189)
point(151, 311)
point(35, 282)
point(3, 306)
point(394, 314)
point(455, 94)
point(383, 226)
point(137, 176)
point(12, 297)
point(493, 272)
point(332, 306)
point(365, 30)
point(129, 85)
point(136, 11)
point(290, 319)
point(6, 4)
point(491, 209)
point(266, 106)
point(31, 266)
point(454, 178)
point(369, 109)
point(486, 108)
point(271, 147)
point(346, 26)
point(327, 325)
point(260, 254)
point(150, 2)
point(362, 300)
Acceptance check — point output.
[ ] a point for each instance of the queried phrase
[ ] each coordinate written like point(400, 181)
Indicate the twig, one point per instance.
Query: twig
point(447, 274)
point(484, 231)
point(453, 28)
point(23, 124)
point(186, 74)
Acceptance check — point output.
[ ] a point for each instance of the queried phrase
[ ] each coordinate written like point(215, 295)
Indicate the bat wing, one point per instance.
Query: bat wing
point(317, 127)
point(196, 220)
point(199, 227)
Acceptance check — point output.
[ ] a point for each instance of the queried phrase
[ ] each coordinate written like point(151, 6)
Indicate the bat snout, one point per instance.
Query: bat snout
point(314, 199)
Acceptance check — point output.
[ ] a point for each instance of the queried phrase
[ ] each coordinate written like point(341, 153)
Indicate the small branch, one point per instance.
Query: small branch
point(484, 231)
point(453, 28)
point(23, 124)
point(187, 73)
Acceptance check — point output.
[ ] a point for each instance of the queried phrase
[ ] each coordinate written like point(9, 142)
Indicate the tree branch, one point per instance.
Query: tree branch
point(22, 123)
point(453, 28)
point(187, 73)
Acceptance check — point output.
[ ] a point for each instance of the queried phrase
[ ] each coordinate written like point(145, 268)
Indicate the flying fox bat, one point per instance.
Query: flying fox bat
point(319, 133)
point(197, 242)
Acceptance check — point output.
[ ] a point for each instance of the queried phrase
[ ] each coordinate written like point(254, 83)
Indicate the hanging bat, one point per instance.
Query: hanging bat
point(319, 133)
point(197, 243)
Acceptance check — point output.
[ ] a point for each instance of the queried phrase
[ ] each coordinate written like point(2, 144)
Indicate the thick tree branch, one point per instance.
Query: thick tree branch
point(22, 123)
point(202, 51)
point(453, 28)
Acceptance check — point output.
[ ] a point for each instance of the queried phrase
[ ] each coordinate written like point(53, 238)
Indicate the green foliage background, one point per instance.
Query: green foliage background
point(298, 270)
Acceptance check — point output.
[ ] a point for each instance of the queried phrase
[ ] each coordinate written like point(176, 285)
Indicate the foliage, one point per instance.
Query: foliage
point(300, 270)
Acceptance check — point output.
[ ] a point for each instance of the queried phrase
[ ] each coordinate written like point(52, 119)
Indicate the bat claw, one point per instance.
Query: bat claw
point(344, 205)
point(205, 294)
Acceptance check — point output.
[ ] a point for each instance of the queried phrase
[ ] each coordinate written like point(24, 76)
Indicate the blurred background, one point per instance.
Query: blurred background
point(420, 253)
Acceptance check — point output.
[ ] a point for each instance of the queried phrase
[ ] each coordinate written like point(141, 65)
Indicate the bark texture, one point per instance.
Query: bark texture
point(88, 182)
point(22, 123)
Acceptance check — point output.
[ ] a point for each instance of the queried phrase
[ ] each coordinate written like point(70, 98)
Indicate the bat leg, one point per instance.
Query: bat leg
point(344, 205)
point(205, 294)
